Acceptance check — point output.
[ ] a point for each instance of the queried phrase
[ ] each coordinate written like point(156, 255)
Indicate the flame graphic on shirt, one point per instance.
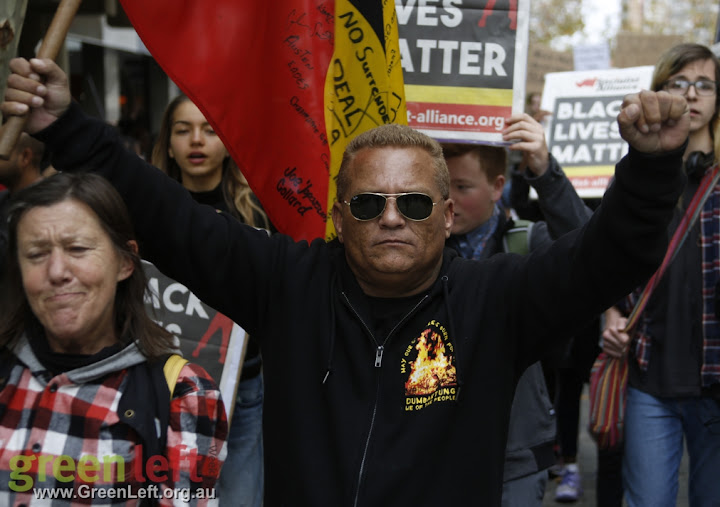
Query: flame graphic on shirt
point(432, 368)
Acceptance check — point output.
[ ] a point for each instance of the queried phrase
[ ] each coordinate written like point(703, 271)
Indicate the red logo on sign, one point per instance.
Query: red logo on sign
point(587, 82)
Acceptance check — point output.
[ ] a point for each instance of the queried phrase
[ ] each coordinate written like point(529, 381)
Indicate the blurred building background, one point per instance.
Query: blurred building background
point(694, 18)
point(112, 75)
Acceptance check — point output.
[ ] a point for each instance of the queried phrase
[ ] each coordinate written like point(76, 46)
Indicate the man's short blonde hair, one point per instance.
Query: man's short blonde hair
point(399, 136)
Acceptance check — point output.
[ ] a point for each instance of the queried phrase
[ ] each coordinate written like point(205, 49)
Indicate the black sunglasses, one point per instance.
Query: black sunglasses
point(413, 205)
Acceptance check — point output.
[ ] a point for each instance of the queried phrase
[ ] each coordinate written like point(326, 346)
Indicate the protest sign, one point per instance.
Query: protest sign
point(591, 56)
point(206, 337)
point(582, 132)
point(464, 64)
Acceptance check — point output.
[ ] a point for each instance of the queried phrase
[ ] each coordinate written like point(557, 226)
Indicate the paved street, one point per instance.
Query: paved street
point(587, 459)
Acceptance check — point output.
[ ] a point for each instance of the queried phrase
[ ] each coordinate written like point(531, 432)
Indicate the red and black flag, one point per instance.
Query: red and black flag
point(286, 84)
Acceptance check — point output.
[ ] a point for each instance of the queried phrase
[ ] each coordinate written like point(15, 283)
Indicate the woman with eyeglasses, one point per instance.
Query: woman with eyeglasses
point(674, 357)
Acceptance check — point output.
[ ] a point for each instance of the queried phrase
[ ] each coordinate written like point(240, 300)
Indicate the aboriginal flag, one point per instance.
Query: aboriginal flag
point(286, 84)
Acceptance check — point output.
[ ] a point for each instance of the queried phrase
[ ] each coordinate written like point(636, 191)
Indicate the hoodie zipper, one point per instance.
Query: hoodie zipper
point(378, 356)
point(379, 350)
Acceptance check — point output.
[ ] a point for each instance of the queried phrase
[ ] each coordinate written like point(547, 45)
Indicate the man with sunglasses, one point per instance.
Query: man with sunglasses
point(390, 363)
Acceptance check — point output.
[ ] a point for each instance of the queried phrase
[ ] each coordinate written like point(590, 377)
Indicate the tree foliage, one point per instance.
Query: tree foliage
point(695, 20)
point(551, 20)
point(559, 23)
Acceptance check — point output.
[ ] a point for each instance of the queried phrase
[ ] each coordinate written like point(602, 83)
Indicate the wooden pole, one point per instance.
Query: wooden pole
point(12, 17)
point(51, 45)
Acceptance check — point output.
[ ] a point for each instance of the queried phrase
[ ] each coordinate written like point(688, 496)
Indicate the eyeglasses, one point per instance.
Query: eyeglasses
point(412, 205)
point(703, 87)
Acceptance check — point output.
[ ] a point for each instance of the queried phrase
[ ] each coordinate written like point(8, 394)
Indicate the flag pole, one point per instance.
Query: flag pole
point(50, 47)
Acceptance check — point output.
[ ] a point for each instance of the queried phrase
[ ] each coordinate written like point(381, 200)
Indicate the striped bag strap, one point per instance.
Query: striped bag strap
point(691, 215)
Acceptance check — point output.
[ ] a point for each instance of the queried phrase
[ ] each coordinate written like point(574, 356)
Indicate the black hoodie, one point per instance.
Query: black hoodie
point(416, 417)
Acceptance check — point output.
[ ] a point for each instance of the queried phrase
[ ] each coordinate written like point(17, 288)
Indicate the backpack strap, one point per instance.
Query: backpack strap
point(145, 403)
point(517, 237)
point(172, 368)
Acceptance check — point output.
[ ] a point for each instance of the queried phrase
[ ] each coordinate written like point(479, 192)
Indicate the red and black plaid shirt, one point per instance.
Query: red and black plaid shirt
point(62, 442)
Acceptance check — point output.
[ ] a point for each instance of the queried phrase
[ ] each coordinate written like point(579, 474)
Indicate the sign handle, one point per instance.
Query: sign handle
point(50, 47)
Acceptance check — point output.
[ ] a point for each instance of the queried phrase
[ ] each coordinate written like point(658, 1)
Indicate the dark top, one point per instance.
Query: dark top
point(58, 362)
point(675, 318)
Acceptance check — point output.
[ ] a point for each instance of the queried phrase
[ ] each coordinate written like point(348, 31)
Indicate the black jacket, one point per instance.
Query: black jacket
point(343, 423)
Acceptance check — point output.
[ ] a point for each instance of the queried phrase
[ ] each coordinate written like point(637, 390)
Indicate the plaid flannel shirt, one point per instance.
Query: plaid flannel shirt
point(77, 448)
point(710, 244)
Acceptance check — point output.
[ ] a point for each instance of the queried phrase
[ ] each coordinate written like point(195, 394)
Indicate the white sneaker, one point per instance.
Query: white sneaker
point(570, 487)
